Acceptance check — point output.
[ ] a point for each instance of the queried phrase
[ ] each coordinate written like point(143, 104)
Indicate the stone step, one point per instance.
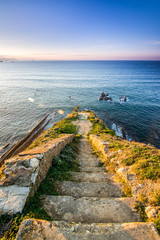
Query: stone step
point(87, 189)
point(85, 149)
point(40, 229)
point(89, 160)
point(92, 169)
point(84, 143)
point(86, 155)
point(94, 177)
point(88, 210)
point(86, 163)
point(85, 146)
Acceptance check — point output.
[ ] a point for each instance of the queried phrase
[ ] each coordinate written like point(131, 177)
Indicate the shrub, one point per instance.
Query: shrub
point(68, 127)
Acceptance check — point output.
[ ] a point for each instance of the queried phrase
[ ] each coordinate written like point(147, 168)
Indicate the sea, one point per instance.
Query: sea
point(30, 90)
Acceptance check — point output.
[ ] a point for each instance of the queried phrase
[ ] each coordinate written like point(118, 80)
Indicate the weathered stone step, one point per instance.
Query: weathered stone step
point(91, 169)
point(39, 229)
point(87, 155)
point(88, 210)
point(94, 177)
point(86, 163)
point(88, 189)
point(84, 149)
point(87, 159)
point(84, 144)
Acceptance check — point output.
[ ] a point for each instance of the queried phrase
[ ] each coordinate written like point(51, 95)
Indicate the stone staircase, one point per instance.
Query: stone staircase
point(89, 207)
point(91, 197)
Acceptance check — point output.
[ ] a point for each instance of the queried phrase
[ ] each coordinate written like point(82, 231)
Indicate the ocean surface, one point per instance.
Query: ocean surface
point(29, 90)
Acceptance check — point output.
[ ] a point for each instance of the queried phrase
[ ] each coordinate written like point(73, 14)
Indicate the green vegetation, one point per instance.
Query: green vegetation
point(65, 126)
point(141, 209)
point(127, 190)
point(144, 159)
point(154, 199)
point(148, 168)
point(59, 171)
point(143, 198)
point(61, 168)
point(98, 125)
point(157, 223)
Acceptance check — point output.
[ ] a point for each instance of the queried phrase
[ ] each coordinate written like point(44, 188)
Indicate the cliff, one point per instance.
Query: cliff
point(59, 178)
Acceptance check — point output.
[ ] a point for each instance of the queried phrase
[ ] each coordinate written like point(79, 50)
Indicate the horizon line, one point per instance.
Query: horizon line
point(69, 60)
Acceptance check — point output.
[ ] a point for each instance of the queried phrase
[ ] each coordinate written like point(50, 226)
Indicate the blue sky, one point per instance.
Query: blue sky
point(80, 29)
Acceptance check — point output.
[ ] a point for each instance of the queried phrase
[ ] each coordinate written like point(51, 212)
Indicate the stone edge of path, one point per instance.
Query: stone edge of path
point(31, 228)
point(23, 173)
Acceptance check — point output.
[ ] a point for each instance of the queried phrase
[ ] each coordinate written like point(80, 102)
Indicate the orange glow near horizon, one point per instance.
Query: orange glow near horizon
point(54, 57)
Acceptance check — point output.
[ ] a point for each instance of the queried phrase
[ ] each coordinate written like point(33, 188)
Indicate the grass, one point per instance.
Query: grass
point(144, 159)
point(141, 209)
point(127, 190)
point(60, 170)
point(148, 168)
point(157, 223)
point(143, 198)
point(98, 125)
point(65, 126)
point(154, 199)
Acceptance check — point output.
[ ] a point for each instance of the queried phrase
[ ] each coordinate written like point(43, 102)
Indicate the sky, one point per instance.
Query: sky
point(80, 29)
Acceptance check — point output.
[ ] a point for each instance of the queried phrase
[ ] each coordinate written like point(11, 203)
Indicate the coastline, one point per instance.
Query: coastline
point(127, 164)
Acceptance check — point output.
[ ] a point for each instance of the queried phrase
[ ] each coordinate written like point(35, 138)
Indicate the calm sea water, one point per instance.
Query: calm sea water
point(29, 90)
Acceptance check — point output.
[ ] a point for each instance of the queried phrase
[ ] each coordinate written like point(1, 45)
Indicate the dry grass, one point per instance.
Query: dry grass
point(144, 159)
point(150, 197)
point(127, 190)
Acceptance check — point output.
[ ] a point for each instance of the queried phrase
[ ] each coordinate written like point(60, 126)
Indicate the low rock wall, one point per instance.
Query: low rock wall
point(22, 174)
point(99, 144)
point(139, 187)
point(122, 171)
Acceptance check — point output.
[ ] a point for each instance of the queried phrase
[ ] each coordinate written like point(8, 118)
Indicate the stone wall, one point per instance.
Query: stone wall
point(144, 187)
point(22, 174)
point(99, 144)
point(124, 172)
